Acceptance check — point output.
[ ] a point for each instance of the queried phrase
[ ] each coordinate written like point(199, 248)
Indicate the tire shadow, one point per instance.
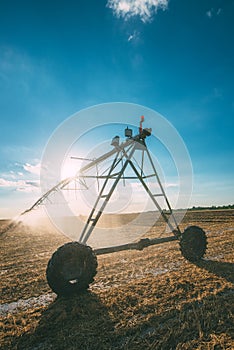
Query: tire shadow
point(84, 322)
point(80, 322)
point(219, 268)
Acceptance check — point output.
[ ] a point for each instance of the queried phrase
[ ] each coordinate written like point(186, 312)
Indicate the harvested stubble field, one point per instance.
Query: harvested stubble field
point(150, 299)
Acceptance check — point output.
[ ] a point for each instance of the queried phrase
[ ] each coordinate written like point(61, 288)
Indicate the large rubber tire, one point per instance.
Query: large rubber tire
point(71, 269)
point(193, 243)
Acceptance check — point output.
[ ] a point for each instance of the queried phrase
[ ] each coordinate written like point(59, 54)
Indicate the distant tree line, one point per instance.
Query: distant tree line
point(213, 207)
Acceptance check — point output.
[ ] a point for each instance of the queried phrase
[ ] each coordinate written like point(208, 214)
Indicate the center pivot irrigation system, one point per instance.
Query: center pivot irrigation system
point(73, 266)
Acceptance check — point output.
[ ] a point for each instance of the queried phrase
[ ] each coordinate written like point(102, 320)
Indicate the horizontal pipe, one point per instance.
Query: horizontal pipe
point(140, 245)
point(106, 155)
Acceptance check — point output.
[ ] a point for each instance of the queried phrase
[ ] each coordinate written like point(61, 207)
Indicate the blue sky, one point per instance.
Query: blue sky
point(175, 57)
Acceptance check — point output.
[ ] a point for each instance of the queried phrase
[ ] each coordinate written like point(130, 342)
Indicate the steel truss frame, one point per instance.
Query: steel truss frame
point(124, 154)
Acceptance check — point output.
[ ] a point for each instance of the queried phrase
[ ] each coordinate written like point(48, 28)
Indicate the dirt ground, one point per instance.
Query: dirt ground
point(150, 299)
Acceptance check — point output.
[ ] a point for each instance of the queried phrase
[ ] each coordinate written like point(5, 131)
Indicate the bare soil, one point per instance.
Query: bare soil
point(150, 299)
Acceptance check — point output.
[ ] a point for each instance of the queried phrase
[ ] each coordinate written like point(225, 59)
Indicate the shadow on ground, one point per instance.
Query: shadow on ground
point(219, 268)
point(80, 322)
point(140, 315)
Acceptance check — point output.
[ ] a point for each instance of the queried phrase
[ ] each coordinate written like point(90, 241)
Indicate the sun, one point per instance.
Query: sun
point(70, 168)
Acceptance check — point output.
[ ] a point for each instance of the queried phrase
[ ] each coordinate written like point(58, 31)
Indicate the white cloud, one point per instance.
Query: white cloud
point(24, 178)
point(20, 185)
point(134, 36)
point(7, 183)
point(130, 37)
point(32, 169)
point(145, 9)
point(209, 13)
point(212, 12)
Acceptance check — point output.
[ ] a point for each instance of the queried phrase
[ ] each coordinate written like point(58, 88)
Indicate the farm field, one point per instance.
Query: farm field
point(150, 299)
